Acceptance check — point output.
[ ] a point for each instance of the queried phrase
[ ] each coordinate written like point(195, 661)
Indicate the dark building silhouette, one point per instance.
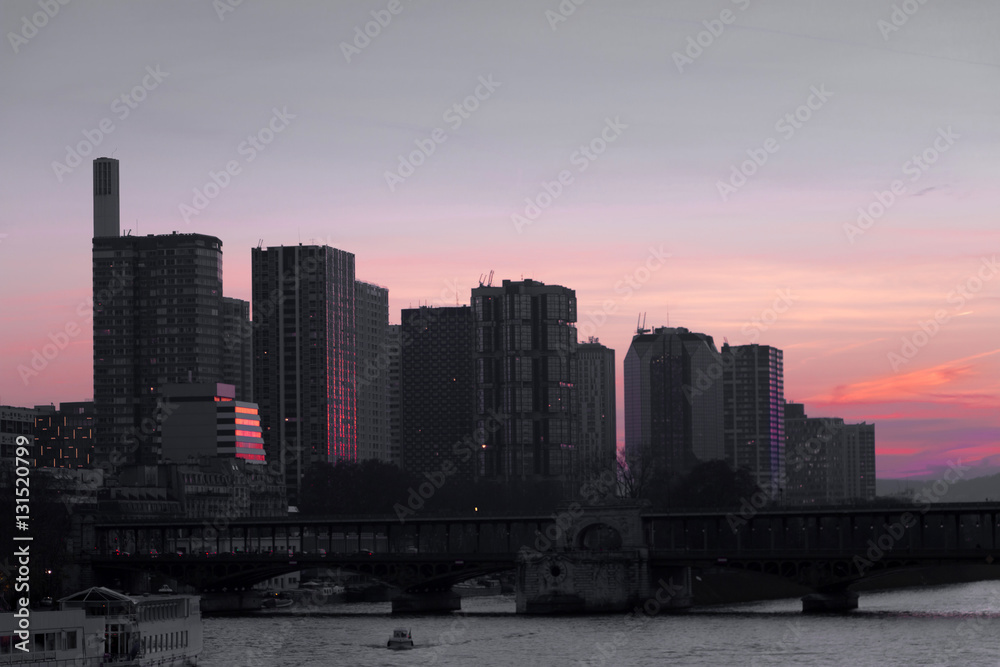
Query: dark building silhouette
point(157, 320)
point(437, 389)
point(371, 317)
point(672, 422)
point(64, 437)
point(828, 462)
point(207, 420)
point(304, 360)
point(237, 347)
point(754, 412)
point(107, 214)
point(525, 343)
point(393, 400)
point(597, 441)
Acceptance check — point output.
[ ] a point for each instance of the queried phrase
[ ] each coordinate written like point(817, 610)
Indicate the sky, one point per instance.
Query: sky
point(814, 175)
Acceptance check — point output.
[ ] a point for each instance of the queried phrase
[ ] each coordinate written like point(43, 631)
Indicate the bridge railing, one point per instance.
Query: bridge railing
point(899, 531)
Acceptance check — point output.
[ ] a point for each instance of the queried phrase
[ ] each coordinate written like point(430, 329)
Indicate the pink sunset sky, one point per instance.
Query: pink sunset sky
point(907, 116)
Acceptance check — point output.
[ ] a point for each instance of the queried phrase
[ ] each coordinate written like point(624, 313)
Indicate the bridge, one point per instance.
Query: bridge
point(583, 558)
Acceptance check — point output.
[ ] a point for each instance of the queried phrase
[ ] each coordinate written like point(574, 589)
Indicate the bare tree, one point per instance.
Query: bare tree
point(635, 473)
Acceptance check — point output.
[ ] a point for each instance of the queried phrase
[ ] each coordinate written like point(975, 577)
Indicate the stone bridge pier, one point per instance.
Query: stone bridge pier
point(595, 560)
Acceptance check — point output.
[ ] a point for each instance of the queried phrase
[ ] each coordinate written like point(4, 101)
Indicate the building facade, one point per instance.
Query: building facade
point(597, 443)
point(14, 423)
point(754, 412)
point(671, 422)
point(393, 398)
point(64, 437)
point(525, 342)
point(371, 317)
point(828, 462)
point(237, 347)
point(436, 389)
point(304, 361)
point(206, 420)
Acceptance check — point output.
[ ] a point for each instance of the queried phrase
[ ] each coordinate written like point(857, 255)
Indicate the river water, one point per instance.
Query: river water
point(944, 625)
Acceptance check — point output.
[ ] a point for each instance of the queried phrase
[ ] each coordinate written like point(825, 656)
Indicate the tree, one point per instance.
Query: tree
point(712, 485)
point(635, 473)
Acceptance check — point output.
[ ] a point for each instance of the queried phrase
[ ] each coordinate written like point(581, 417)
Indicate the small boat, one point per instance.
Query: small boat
point(278, 601)
point(401, 640)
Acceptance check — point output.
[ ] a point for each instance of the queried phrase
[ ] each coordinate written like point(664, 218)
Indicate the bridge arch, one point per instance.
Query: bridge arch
point(599, 536)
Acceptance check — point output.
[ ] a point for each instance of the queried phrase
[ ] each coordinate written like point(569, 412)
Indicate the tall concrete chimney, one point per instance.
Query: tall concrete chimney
point(106, 206)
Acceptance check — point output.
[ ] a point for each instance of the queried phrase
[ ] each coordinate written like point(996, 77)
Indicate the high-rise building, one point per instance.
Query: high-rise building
point(157, 320)
point(237, 347)
point(394, 343)
point(206, 420)
point(436, 390)
point(670, 422)
point(304, 361)
point(64, 438)
point(525, 343)
point(597, 442)
point(754, 412)
point(371, 318)
point(828, 462)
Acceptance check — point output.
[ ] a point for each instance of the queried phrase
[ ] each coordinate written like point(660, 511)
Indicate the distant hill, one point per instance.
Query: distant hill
point(976, 489)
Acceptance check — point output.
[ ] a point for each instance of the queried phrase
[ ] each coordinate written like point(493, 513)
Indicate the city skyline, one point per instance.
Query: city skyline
point(783, 259)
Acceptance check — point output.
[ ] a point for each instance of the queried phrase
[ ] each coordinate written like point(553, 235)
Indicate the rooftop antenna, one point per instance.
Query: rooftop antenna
point(490, 282)
point(114, 151)
point(260, 243)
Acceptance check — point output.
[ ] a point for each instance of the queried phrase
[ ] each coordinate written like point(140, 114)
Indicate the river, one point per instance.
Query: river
point(942, 625)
